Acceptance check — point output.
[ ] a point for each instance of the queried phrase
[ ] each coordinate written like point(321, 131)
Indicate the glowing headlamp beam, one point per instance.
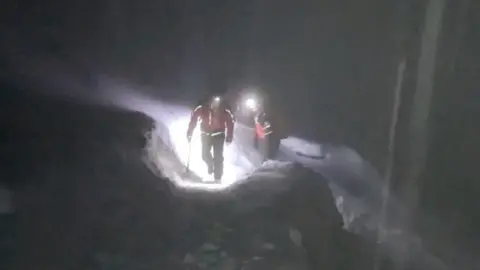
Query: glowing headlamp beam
point(251, 104)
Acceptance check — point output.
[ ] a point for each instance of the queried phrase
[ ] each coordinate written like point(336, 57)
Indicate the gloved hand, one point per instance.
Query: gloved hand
point(189, 136)
point(228, 140)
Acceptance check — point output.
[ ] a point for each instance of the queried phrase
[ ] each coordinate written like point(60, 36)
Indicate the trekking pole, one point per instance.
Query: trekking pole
point(187, 168)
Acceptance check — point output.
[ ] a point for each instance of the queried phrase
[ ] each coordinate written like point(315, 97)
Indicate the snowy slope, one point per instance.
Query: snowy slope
point(83, 198)
point(96, 204)
point(351, 177)
point(354, 183)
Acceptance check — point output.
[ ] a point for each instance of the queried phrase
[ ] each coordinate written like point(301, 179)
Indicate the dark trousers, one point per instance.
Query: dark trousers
point(213, 144)
point(267, 146)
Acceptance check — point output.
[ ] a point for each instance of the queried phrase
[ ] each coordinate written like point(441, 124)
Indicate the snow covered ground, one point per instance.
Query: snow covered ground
point(114, 178)
point(355, 184)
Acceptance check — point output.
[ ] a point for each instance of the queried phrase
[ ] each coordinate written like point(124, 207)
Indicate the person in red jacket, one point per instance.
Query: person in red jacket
point(265, 139)
point(216, 126)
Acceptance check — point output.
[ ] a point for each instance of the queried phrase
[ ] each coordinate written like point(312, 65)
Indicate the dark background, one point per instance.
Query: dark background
point(329, 67)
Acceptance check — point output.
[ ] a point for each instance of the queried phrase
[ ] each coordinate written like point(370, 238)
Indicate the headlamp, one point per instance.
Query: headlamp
point(251, 104)
point(215, 102)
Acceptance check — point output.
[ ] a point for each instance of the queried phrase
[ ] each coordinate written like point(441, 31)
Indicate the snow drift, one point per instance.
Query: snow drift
point(83, 198)
point(337, 170)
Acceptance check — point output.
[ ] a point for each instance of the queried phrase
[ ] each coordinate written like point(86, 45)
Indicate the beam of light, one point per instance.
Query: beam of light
point(192, 154)
point(171, 130)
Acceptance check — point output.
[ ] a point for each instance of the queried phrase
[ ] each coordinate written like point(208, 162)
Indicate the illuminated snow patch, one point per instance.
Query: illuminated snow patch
point(304, 147)
point(168, 148)
point(191, 154)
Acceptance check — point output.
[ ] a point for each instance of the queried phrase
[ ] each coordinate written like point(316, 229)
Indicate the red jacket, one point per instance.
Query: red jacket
point(212, 122)
point(263, 127)
point(260, 132)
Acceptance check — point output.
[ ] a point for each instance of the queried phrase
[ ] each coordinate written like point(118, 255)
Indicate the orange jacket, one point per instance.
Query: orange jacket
point(212, 122)
point(263, 127)
point(259, 131)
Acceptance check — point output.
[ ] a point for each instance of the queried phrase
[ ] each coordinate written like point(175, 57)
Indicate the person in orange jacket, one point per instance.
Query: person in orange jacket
point(265, 140)
point(216, 127)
